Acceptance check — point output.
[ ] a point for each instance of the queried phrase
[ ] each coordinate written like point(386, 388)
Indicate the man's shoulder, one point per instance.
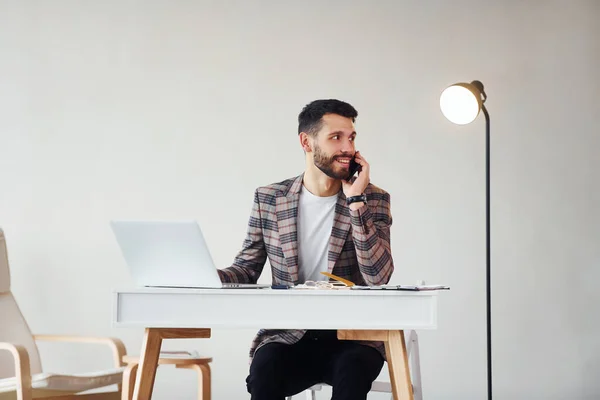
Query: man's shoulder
point(268, 193)
point(277, 186)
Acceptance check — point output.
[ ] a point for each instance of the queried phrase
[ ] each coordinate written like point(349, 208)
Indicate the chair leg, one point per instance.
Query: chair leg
point(128, 382)
point(204, 381)
point(416, 368)
point(206, 388)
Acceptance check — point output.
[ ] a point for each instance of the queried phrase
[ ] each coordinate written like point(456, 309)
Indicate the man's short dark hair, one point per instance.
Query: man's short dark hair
point(310, 121)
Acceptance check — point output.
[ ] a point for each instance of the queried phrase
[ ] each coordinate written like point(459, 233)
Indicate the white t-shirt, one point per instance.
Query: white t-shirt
point(314, 225)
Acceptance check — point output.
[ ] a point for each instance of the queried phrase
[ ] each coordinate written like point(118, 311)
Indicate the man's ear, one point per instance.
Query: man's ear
point(305, 142)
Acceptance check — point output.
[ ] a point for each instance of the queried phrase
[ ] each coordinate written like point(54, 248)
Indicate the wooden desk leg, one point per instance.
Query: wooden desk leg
point(204, 389)
point(146, 373)
point(397, 357)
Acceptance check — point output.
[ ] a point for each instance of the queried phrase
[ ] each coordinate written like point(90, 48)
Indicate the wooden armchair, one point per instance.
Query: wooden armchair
point(21, 376)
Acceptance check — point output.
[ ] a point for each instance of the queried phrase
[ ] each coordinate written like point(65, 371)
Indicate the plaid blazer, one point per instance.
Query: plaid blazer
point(359, 246)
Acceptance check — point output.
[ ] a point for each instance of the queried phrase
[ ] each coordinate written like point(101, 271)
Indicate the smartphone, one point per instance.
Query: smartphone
point(353, 169)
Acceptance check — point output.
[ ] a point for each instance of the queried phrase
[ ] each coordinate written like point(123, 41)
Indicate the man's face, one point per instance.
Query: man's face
point(333, 147)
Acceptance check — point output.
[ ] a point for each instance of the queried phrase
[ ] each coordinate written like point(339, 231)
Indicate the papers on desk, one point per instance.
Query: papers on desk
point(414, 288)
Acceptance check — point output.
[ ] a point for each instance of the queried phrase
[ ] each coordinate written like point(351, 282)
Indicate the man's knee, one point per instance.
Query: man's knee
point(358, 367)
point(266, 369)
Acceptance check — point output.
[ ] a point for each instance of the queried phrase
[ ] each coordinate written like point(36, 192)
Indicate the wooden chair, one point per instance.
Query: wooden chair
point(412, 350)
point(21, 376)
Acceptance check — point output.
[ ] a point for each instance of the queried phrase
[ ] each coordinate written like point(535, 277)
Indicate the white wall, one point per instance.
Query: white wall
point(131, 109)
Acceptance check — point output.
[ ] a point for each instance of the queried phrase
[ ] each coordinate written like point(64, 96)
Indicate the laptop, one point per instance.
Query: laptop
point(169, 254)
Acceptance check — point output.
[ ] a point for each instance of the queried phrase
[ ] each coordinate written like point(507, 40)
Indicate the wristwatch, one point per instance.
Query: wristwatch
point(356, 199)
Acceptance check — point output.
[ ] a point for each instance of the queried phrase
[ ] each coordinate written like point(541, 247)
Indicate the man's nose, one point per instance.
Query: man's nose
point(348, 147)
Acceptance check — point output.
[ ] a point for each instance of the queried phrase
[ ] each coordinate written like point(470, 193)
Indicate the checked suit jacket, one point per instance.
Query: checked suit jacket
point(359, 246)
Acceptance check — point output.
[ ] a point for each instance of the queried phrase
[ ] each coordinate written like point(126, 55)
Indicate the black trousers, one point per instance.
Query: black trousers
point(279, 370)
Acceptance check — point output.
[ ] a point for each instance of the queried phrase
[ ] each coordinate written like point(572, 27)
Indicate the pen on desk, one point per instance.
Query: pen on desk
point(339, 279)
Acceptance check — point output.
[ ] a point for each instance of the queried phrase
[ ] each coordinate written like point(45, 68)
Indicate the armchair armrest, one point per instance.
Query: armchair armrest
point(116, 345)
point(22, 369)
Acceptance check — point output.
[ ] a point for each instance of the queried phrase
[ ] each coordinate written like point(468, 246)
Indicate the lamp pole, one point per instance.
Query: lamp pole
point(488, 257)
point(488, 243)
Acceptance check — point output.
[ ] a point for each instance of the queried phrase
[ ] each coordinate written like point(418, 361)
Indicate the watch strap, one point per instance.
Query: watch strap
point(356, 199)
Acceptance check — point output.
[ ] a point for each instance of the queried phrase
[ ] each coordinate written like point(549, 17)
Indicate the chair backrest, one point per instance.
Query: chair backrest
point(13, 327)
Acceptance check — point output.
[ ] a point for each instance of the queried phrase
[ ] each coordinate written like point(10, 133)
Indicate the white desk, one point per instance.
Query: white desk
point(380, 315)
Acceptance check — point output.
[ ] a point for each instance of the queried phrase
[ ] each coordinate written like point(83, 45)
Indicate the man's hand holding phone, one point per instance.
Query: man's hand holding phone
point(360, 184)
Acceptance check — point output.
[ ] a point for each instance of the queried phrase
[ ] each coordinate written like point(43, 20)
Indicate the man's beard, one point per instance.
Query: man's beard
point(326, 164)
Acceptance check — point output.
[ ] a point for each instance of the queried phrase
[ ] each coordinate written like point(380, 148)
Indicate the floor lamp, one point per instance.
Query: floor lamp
point(461, 104)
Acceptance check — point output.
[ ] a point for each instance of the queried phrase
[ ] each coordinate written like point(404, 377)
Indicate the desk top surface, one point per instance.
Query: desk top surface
point(276, 292)
point(275, 308)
